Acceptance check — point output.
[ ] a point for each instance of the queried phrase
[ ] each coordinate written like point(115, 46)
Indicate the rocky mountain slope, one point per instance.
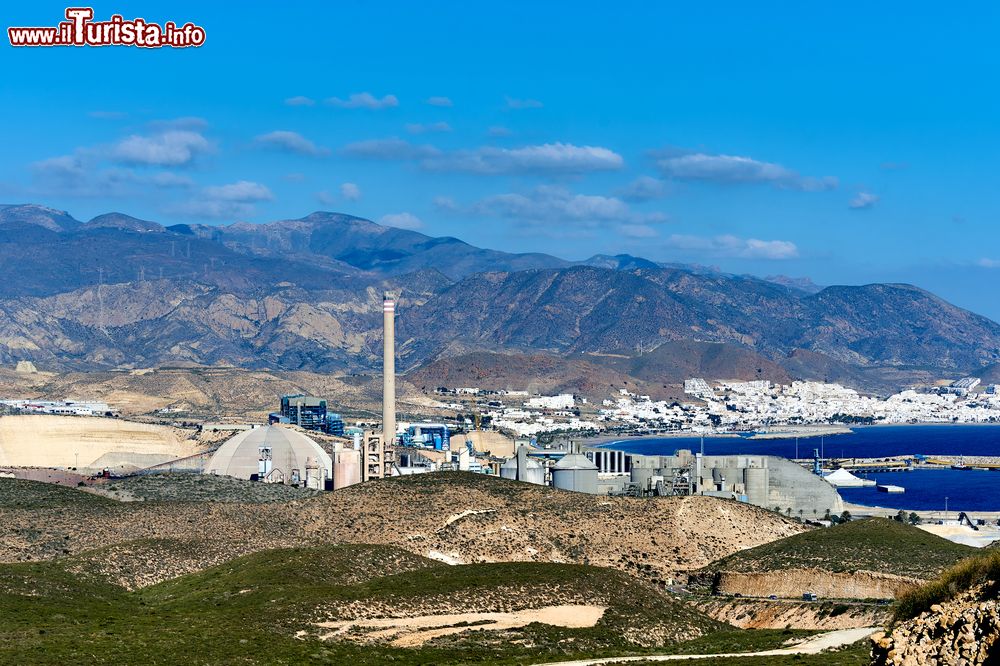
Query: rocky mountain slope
point(119, 292)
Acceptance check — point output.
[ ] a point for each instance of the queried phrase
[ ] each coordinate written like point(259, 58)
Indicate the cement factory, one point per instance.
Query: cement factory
point(305, 445)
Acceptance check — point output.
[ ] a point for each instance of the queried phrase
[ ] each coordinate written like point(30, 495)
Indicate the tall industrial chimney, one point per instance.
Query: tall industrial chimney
point(388, 370)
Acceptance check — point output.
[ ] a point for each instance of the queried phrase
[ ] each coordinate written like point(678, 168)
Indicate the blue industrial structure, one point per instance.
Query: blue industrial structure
point(428, 436)
point(309, 413)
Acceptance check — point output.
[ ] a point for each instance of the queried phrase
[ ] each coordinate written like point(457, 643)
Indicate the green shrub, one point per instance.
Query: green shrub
point(967, 574)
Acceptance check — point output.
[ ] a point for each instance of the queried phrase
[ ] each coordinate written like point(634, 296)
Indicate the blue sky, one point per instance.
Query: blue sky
point(846, 142)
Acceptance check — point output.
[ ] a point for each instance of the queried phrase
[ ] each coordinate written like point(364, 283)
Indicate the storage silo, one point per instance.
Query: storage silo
point(523, 468)
point(642, 475)
point(756, 482)
point(575, 472)
point(346, 468)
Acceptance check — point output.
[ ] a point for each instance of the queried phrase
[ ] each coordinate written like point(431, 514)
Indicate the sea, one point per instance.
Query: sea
point(926, 489)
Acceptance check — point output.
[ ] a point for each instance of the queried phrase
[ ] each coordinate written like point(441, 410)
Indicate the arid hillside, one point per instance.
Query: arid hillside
point(450, 517)
point(206, 393)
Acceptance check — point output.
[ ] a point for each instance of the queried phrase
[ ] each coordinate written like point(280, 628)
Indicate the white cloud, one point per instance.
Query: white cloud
point(544, 158)
point(401, 221)
point(498, 131)
point(171, 148)
point(389, 149)
point(326, 198)
point(421, 128)
point(553, 206)
point(561, 158)
point(637, 231)
point(514, 103)
point(350, 191)
point(734, 169)
point(63, 167)
point(364, 100)
point(863, 200)
point(243, 190)
point(988, 263)
point(291, 142)
point(224, 202)
point(193, 123)
point(732, 246)
point(439, 101)
point(643, 188)
point(81, 174)
point(170, 179)
point(300, 100)
point(447, 204)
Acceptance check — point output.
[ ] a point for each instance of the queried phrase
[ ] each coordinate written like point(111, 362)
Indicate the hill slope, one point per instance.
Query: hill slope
point(453, 517)
point(278, 601)
point(875, 544)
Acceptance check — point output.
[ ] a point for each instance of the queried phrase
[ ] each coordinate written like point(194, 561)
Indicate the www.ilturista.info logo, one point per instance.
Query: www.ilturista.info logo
point(79, 29)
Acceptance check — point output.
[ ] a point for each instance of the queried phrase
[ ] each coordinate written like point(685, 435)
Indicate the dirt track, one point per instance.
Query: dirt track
point(415, 631)
point(813, 645)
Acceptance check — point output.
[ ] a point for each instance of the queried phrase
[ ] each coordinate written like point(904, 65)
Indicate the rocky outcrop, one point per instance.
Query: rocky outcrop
point(792, 583)
point(766, 614)
point(962, 632)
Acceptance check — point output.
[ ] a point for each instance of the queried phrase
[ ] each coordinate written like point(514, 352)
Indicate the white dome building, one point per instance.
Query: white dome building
point(275, 455)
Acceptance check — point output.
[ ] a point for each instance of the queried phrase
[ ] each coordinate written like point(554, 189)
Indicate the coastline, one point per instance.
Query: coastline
point(787, 432)
point(791, 432)
point(926, 514)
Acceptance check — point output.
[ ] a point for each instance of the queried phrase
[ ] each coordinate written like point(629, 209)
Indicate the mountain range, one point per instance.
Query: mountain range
point(120, 292)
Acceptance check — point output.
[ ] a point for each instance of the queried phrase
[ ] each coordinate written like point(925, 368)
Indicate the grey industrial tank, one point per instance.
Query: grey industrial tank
point(523, 468)
point(575, 472)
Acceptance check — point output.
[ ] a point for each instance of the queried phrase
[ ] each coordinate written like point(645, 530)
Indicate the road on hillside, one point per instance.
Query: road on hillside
point(812, 645)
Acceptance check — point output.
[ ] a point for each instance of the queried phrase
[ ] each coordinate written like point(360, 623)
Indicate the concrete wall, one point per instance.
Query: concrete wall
point(793, 486)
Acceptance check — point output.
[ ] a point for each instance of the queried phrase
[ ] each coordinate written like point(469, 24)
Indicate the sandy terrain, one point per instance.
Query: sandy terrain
point(963, 534)
point(88, 442)
point(415, 631)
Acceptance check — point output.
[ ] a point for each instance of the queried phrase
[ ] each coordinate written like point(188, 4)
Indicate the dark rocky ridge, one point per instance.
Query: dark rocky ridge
point(303, 294)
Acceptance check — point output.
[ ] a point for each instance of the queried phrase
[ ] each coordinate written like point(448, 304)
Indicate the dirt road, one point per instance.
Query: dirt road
point(812, 645)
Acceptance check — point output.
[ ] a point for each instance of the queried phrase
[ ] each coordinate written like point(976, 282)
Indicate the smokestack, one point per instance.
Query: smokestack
point(388, 369)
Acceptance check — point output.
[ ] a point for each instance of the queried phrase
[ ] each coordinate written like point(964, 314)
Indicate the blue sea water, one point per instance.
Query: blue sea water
point(966, 490)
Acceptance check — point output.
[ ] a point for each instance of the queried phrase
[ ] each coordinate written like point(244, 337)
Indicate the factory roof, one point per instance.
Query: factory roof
point(290, 450)
point(575, 461)
point(511, 463)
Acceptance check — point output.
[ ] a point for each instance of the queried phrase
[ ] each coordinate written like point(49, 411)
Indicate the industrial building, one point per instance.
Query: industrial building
point(274, 455)
point(522, 468)
point(304, 411)
point(766, 481)
point(308, 412)
point(428, 435)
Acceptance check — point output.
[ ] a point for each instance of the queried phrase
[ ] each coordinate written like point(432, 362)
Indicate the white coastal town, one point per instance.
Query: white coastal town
point(729, 406)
